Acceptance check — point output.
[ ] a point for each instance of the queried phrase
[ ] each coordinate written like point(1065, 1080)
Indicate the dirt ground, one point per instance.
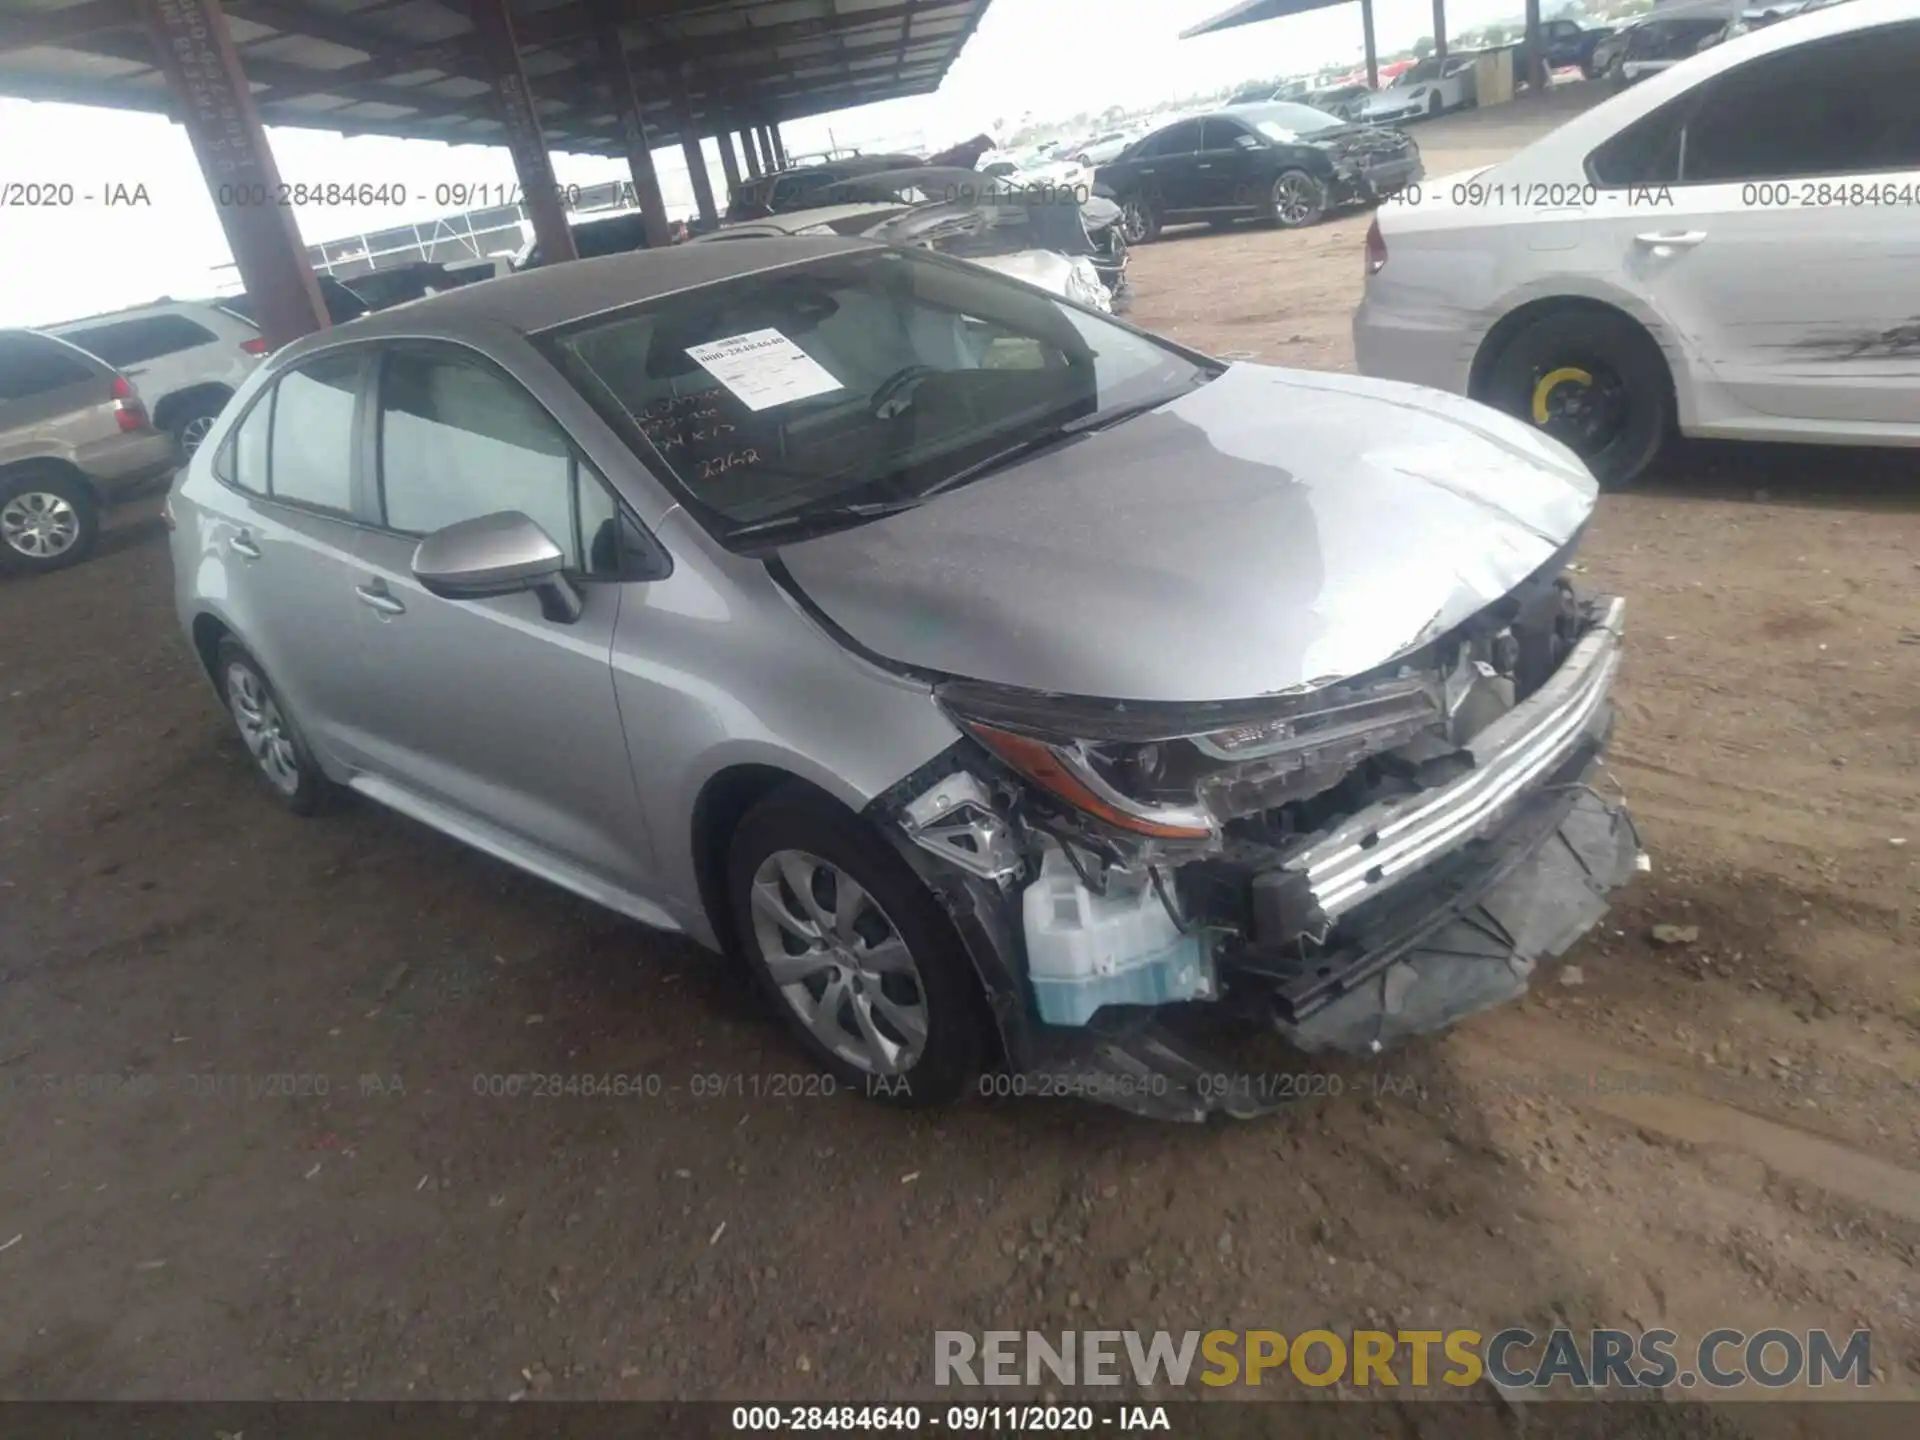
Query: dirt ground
point(293, 1184)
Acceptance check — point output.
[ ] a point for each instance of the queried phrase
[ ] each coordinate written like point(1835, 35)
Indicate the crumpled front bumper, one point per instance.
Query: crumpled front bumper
point(1467, 936)
point(1427, 908)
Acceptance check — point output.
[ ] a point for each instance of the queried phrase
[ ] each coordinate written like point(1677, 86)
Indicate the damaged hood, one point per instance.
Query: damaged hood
point(1270, 531)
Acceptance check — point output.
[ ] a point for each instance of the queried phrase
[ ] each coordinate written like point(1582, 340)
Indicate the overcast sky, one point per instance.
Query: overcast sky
point(1053, 57)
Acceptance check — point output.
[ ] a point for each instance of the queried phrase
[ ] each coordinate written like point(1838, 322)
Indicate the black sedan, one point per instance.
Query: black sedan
point(1288, 163)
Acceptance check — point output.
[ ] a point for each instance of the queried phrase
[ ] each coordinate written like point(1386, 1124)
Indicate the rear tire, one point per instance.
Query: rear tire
point(191, 426)
point(1624, 370)
point(280, 755)
point(48, 518)
point(816, 892)
point(1139, 220)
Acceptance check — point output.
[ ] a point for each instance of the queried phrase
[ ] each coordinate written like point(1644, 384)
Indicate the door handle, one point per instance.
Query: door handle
point(377, 597)
point(1204, 165)
point(242, 544)
point(1670, 239)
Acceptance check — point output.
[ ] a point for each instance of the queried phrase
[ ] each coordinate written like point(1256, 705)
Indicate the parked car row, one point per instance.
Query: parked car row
point(1288, 163)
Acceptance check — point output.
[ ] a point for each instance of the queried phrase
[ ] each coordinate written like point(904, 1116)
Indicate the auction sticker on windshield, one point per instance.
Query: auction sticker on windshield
point(763, 368)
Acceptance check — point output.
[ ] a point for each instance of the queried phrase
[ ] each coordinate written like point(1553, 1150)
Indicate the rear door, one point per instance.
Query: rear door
point(1228, 170)
point(1785, 250)
point(485, 708)
point(1166, 168)
point(283, 540)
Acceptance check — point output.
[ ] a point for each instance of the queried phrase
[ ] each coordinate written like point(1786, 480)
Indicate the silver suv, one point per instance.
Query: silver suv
point(74, 437)
point(1011, 688)
point(187, 356)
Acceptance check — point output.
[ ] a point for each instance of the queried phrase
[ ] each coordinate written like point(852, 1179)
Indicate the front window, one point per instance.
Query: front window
point(816, 395)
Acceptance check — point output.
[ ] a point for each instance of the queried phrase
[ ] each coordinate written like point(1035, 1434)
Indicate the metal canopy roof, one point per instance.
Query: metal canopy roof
point(1252, 12)
point(409, 68)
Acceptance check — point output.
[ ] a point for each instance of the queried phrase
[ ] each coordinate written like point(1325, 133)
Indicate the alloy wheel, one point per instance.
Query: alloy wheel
point(838, 960)
point(1296, 197)
point(263, 728)
point(39, 525)
point(194, 432)
point(1133, 222)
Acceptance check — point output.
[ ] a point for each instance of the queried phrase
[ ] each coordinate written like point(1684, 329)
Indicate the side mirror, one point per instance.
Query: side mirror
point(500, 554)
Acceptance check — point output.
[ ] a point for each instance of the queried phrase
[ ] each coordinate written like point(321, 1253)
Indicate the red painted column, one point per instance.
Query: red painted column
point(216, 107)
point(646, 182)
point(539, 190)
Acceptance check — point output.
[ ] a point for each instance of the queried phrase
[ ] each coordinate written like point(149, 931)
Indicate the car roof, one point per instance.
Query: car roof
point(555, 295)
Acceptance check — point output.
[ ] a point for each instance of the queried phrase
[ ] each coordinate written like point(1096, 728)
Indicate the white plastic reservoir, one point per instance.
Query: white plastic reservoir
point(1122, 948)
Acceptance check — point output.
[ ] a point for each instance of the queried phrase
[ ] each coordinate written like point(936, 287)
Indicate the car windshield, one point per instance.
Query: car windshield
point(1288, 122)
point(792, 398)
point(1425, 70)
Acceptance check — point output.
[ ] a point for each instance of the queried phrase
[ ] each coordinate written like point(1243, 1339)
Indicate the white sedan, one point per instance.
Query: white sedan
point(1729, 249)
point(1432, 87)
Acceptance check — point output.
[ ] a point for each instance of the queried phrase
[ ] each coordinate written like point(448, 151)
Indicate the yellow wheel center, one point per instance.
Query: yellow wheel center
point(1552, 381)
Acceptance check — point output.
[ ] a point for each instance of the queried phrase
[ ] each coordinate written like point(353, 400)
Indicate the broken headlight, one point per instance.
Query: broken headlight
point(1176, 771)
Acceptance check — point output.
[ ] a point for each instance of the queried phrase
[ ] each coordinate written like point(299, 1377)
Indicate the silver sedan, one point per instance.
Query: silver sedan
point(997, 679)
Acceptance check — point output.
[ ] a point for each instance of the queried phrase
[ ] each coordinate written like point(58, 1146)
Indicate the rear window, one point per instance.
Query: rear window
point(610, 237)
point(129, 342)
point(33, 365)
point(312, 445)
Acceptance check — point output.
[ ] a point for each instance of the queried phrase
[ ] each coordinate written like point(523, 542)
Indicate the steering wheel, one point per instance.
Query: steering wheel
point(894, 394)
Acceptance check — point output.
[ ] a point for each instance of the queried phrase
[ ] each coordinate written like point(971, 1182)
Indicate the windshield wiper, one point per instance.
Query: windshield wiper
point(806, 523)
point(1046, 440)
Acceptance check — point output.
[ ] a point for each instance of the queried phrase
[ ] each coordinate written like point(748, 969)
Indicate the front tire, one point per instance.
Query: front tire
point(853, 952)
point(1296, 200)
point(1593, 379)
point(48, 519)
point(279, 753)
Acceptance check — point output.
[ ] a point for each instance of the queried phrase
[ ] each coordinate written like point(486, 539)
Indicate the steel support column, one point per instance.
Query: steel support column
point(729, 162)
point(696, 159)
point(1440, 28)
point(539, 190)
point(779, 145)
point(1536, 75)
point(1373, 54)
point(750, 151)
point(646, 183)
point(215, 104)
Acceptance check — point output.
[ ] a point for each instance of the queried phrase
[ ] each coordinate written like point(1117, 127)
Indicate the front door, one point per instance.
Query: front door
point(485, 708)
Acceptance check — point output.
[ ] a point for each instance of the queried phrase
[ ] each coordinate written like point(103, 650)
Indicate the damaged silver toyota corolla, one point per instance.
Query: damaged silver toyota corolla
point(1009, 687)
